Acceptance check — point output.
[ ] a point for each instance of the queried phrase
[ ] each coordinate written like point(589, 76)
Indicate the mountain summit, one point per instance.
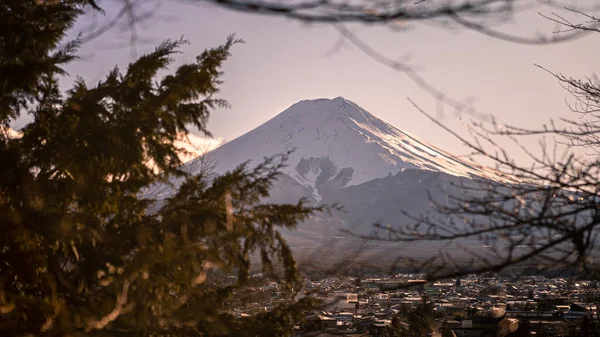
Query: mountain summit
point(336, 144)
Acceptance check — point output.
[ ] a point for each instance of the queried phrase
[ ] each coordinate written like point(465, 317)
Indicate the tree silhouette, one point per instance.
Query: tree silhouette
point(87, 246)
point(544, 215)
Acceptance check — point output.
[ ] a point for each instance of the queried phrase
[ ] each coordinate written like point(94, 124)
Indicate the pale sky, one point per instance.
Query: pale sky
point(285, 61)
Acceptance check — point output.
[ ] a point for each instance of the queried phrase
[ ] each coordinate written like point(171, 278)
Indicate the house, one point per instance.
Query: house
point(320, 323)
point(371, 327)
point(474, 332)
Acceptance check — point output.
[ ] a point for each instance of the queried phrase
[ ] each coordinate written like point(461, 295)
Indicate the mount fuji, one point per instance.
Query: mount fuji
point(337, 144)
point(343, 154)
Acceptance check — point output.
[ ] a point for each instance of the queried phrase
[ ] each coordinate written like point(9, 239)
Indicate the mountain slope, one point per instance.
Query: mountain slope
point(345, 155)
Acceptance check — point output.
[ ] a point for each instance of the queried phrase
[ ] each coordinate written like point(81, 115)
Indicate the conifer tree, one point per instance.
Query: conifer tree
point(85, 248)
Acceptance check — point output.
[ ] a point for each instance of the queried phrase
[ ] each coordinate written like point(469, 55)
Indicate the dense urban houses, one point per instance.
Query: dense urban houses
point(474, 306)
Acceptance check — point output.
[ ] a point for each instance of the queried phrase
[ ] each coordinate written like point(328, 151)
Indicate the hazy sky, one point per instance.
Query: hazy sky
point(284, 61)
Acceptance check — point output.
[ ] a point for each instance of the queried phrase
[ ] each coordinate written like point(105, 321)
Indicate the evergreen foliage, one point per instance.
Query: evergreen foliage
point(417, 322)
point(86, 248)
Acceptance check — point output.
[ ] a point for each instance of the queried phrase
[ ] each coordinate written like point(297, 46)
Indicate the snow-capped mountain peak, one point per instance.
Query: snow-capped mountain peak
point(336, 144)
